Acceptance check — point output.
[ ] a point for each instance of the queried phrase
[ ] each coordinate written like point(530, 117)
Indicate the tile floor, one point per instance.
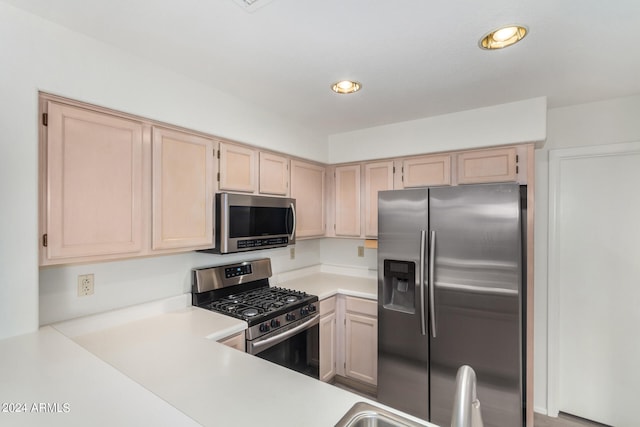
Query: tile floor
point(563, 420)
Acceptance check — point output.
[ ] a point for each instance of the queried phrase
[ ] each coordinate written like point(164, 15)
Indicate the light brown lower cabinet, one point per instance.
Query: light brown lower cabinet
point(236, 341)
point(349, 339)
point(361, 340)
point(328, 330)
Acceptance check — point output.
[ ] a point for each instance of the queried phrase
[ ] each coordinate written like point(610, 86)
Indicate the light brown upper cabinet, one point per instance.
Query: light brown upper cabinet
point(307, 187)
point(238, 167)
point(182, 190)
point(377, 177)
point(426, 171)
point(92, 187)
point(495, 165)
point(347, 200)
point(274, 174)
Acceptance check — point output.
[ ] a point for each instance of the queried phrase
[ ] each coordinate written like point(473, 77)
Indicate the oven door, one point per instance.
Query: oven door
point(296, 348)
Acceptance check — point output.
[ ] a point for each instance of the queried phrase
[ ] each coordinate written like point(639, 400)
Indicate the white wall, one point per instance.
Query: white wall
point(40, 55)
point(515, 122)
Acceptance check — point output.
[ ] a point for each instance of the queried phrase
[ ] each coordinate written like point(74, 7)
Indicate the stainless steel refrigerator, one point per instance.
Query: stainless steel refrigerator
point(450, 280)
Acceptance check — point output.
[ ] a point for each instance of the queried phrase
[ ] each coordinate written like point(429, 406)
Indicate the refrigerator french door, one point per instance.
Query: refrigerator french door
point(449, 294)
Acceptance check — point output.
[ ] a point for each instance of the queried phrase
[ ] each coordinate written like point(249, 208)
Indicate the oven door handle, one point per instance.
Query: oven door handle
point(255, 347)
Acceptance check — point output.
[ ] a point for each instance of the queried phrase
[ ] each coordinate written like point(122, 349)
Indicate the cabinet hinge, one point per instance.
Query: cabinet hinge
point(45, 240)
point(45, 119)
point(517, 158)
point(394, 169)
point(517, 169)
point(218, 176)
point(219, 153)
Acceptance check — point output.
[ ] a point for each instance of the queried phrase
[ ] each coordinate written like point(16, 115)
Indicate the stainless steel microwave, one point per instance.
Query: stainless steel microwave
point(247, 222)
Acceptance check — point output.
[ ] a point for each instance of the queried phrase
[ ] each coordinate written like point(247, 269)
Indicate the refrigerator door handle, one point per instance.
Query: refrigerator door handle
point(432, 283)
point(423, 318)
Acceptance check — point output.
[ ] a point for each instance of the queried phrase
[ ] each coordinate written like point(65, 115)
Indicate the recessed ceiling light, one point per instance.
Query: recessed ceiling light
point(346, 86)
point(503, 37)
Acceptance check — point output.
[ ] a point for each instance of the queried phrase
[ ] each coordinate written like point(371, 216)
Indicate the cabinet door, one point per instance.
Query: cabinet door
point(328, 347)
point(307, 187)
point(377, 177)
point(426, 170)
point(182, 181)
point(94, 182)
point(497, 165)
point(347, 200)
point(274, 174)
point(236, 341)
point(237, 168)
point(362, 347)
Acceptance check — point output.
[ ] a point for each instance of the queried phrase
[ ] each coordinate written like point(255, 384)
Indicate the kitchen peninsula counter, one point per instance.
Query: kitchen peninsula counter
point(163, 369)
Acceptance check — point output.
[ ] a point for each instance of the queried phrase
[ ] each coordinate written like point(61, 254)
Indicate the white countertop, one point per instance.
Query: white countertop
point(166, 369)
point(325, 285)
point(214, 384)
point(48, 380)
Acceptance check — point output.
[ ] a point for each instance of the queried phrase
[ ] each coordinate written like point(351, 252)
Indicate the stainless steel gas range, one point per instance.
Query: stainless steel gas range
point(283, 323)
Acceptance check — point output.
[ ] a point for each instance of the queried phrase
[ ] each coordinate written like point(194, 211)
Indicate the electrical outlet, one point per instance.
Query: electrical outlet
point(292, 253)
point(361, 251)
point(85, 285)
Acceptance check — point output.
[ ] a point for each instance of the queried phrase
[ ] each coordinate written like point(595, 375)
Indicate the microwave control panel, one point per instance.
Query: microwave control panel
point(257, 243)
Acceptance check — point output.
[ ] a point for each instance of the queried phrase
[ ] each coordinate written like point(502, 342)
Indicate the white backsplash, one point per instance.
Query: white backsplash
point(136, 281)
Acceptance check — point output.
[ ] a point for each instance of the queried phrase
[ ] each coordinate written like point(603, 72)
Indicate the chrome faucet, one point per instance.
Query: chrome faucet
point(466, 406)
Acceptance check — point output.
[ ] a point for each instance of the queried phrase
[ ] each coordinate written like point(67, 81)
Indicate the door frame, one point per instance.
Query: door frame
point(556, 159)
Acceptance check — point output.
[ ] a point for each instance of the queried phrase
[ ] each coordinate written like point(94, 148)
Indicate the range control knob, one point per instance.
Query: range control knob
point(264, 327)
point(275, 323)
point(290, 316)
point(312, 308)
point(304, 311)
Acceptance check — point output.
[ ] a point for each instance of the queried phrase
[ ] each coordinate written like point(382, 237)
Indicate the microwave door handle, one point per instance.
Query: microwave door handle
point(293, 213)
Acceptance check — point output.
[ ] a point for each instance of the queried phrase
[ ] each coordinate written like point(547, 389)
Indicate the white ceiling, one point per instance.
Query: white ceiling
point(415, 58)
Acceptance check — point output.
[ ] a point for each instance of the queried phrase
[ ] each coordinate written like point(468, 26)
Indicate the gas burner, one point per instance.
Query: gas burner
point(234, 298)
point(231, 308)
point(291, 298)
point(250, 312)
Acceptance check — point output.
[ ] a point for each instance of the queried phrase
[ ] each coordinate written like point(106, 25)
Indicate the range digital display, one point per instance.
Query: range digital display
point(236, 271)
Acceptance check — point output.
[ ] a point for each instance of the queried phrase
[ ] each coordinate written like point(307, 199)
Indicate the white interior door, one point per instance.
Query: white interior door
point(594, 282)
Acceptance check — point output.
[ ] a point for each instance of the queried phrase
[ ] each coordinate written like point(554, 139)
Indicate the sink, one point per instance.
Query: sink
point(366, 415)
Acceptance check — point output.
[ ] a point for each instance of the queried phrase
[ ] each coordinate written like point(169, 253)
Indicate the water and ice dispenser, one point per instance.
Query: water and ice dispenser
point(399, 287)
